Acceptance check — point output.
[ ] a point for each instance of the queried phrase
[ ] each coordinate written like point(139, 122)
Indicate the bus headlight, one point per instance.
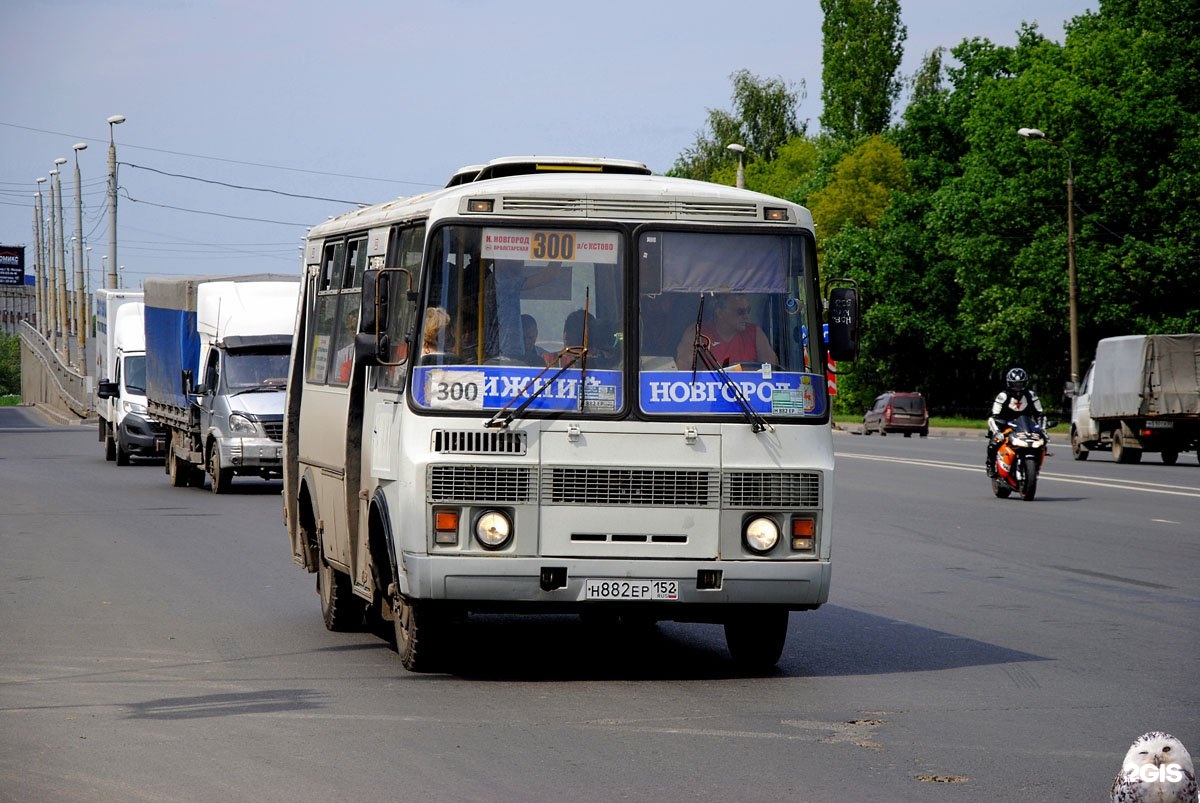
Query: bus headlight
point(761, 535)
point(493, 529)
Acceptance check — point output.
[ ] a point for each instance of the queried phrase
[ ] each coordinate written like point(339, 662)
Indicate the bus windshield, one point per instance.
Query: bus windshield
point(727, 325)
point(512, 313)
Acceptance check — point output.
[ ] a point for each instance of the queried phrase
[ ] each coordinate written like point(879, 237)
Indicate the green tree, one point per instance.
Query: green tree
point(763, 119)
point(10, 365)
point(861, 187)
point(863, 44)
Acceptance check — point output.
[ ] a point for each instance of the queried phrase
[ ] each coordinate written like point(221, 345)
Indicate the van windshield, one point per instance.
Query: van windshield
point(245, 370)
point(135, 374)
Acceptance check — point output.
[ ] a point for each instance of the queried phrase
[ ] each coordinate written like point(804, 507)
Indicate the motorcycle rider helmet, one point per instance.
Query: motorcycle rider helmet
point(1016, 379)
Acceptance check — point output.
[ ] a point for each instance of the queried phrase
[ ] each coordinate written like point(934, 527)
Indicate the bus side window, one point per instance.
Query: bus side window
point(405, 252)
point(323, 328)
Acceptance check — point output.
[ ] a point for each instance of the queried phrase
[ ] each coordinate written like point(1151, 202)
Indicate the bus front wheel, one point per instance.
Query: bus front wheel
point(755, 639)
point(420, 632)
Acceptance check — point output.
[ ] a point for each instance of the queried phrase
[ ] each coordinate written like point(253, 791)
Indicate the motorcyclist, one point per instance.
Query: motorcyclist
point(1014, 401)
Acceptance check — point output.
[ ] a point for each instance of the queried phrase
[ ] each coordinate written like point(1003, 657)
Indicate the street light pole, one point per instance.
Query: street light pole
point(42, 285)
point(116, 119)
point(55, 256)
point(739, 149)
point(1072, 278)
point(64, 321)
point(80, 296)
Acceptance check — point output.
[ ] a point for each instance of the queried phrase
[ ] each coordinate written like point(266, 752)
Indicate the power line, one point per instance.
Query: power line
point(242, 187)
point(227, 161)
point(213, 214)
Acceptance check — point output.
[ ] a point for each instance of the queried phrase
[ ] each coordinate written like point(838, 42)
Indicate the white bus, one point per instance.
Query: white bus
point(565, 385)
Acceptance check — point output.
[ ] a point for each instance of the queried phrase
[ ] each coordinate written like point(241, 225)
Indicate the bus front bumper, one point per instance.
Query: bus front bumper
point(480, 582)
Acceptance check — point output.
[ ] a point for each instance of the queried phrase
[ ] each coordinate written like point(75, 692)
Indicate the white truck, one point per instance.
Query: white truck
point(1141, 394)
point(218, 349)
point(125, 426)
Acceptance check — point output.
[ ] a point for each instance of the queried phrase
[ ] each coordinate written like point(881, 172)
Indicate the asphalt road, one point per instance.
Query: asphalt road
point(158, 644)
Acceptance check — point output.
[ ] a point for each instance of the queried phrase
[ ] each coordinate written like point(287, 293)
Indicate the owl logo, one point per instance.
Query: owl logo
point(1157, 769)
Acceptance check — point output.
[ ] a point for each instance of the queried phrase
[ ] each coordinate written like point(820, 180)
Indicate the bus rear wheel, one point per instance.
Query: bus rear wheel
point(341, 610)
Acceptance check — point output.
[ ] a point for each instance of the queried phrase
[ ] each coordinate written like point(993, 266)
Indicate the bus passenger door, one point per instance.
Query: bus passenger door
point(325, 442)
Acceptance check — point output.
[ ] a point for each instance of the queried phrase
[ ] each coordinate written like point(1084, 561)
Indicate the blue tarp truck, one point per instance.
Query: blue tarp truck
point(216, 369)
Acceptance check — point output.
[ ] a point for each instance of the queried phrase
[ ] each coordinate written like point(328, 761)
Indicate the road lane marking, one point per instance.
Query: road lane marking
point(1128, 485)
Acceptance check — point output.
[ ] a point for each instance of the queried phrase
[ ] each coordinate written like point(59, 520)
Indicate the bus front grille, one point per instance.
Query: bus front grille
point(452, 441)
point(771, 489)
point(459, 483)
point(629, 486)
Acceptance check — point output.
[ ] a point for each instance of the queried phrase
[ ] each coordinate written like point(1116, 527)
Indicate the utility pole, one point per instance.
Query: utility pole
point(116, 119)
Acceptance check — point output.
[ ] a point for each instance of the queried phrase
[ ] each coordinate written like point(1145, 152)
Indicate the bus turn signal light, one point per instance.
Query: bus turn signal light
point(445, 527)
point(803, 534)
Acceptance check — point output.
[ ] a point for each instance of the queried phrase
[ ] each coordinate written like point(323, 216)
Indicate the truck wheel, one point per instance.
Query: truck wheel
point(122, 455)
point(179, 470)
point(221, 478)
point(755, 639)
point(341, 610)
point(1122, 453)
point(110, 445)
point(1170, 457)
point(420, 636)
point(1078, 451)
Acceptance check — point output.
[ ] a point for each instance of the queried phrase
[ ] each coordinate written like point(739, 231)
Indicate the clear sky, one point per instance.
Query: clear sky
point(366, 100)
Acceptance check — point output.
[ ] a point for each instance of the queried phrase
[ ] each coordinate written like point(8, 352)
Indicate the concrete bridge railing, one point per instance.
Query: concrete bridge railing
point(48, 382)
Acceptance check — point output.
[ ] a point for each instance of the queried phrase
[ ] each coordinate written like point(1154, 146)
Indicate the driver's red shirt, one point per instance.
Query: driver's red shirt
point(743, 347)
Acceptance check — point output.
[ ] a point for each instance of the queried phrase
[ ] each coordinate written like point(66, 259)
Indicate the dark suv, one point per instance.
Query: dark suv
point(897, 412)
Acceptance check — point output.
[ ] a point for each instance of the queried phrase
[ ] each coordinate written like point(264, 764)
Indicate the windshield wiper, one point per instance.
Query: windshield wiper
point(504, 417)
point(703, 353)
point(259, 389)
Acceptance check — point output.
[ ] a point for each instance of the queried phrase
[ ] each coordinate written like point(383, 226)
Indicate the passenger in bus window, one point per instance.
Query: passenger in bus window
point(345, 354)
point(534, 354)
point(437, 338)
point(598, 354)
point(731, 336)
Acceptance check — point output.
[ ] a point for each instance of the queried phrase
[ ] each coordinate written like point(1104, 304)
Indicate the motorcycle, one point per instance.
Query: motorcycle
point(1019, 459)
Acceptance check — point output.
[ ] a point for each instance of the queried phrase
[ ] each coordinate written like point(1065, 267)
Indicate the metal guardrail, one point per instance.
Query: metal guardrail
point(46, 380)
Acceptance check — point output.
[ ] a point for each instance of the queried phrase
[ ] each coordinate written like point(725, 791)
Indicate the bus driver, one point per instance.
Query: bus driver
point(730, 335)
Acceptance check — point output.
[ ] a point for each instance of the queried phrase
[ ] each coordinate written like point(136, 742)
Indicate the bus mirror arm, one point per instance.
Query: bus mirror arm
point(369, 348)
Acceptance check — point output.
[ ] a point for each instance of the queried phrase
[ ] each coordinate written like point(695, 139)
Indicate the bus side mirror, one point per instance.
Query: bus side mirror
point(373, 305)
point(372, 345)
point(843, 324)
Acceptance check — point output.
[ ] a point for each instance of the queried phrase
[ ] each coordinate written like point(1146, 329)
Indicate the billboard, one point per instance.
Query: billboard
point(12, 264)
